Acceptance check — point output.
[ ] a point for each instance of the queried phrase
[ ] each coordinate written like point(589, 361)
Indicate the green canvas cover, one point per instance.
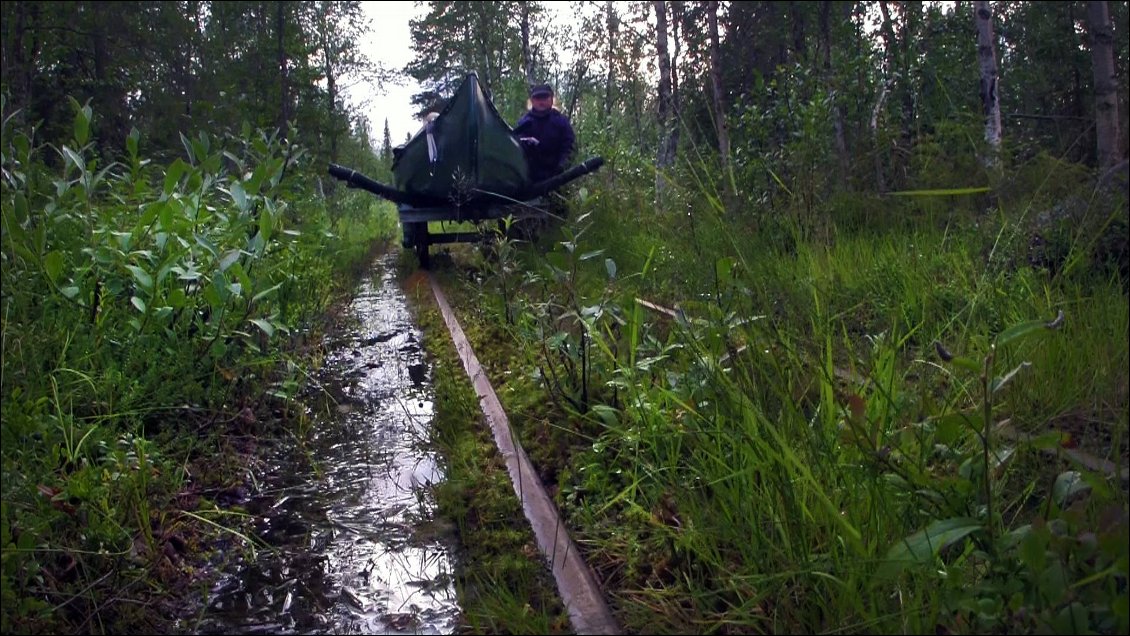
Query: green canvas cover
point(475, 151)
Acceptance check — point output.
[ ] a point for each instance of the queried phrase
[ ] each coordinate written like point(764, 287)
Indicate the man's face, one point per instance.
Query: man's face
point(542, 102)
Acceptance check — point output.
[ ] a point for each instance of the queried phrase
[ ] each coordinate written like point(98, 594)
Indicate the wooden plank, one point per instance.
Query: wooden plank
point(588, 611)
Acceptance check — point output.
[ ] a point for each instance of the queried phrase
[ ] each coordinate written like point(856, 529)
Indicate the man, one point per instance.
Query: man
point(546, 135)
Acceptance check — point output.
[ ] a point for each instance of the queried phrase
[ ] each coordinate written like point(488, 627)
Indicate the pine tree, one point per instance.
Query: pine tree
point(386, 146)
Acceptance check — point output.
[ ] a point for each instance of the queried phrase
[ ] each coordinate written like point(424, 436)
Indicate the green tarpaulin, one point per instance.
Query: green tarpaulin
point(467, 151)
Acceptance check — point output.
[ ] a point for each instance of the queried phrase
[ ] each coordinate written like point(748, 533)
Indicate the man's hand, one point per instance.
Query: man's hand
point(533, 141)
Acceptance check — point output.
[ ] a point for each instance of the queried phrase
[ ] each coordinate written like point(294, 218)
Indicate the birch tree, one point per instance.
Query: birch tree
point(664, 156)
point(527, 55)
point(887, 73)
point(987, 56)
point(720, 123)
point(1106, 97)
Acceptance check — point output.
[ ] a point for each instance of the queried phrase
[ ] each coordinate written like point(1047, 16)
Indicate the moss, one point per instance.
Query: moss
point(503, 583)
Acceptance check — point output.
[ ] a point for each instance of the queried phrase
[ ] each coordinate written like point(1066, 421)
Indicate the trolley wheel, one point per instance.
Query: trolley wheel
point(420, 242)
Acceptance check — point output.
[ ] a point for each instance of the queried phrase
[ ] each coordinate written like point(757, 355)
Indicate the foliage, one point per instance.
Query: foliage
point(164, 68)
point(146, 307)
point(769, 441)
point(736, 396)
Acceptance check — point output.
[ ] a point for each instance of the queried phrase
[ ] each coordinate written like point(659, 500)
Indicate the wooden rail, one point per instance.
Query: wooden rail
point(579, 589)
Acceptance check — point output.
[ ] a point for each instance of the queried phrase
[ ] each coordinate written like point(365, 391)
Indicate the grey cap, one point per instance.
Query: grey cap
point(541, 89)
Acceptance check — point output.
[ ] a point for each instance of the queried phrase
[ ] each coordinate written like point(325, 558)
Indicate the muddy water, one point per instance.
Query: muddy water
point(356, 547)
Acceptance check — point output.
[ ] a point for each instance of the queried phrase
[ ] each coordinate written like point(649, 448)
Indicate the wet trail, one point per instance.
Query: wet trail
point(356, 547)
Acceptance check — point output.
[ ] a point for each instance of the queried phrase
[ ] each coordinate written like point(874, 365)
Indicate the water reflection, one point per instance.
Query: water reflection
point(356, 546)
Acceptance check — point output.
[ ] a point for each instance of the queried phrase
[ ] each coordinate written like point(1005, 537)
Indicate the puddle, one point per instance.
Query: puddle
point(356, 546)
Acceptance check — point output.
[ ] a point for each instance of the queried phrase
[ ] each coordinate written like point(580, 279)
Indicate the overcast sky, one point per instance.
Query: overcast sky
point(390, 44)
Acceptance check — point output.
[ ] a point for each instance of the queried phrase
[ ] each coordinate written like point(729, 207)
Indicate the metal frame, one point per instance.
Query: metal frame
point(415, 222)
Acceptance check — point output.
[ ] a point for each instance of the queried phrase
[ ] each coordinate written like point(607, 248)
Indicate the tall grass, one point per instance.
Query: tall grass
point(807, 439)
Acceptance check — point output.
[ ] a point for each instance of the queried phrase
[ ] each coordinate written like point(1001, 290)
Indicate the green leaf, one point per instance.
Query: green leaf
point(165, 216)
point(177, 298)
point(1034, 550)
point(266, 292)
point(1053, 581)
point(1051, 439)
point(723, 267)
point(925, 545)
point(1067, 485)
point(82, 125)
point(1020, 331)
point(264, 325)
point(235, 160)
point(1073, 619)
point(239, 196)
point(256, 244)
point(21, 208)
point(75, 159)
point(149, 214)
point(141, 276)
point(70, 291)
point(966, 363)
point(203, 241)
point(53, 265)
point(187, 273)
point(173, 175)
point(187, 148)
point(240, 274)
point(949, 428)
point(131, 142)
point(212, 295)
point(587, 255)
point(139, 303)
point(266, 223)
point(230, 257)
point(999, 383)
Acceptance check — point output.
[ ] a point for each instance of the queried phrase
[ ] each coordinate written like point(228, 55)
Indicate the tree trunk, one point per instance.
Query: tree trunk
point(579, 71)
point(911, 16)
point(284, 97)
point(104, 105)
point(527, 57)
point(484, 27)
point(329, 59)
point(800, 42)
point(663, 159)
point(190, 79)
point(721, 125)
point(613, 24)
point(675, 19)
point(331, 97)
point(1107, 130)
point(887, 75)
point(830, 81)
point(990, 99)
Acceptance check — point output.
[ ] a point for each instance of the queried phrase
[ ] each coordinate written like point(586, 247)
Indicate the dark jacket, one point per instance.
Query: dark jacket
point(555, 137)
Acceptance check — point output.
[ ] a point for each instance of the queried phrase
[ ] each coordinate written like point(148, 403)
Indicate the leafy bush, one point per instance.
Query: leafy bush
point(146, 309)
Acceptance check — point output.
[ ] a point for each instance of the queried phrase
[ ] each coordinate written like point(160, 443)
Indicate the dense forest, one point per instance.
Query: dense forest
point(811, 353)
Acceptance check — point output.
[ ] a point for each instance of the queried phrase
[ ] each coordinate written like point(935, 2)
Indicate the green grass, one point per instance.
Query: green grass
point(502, 579)
point(791, 453)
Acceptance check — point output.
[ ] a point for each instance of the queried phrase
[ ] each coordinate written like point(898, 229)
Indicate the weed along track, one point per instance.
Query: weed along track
point(588, 612)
